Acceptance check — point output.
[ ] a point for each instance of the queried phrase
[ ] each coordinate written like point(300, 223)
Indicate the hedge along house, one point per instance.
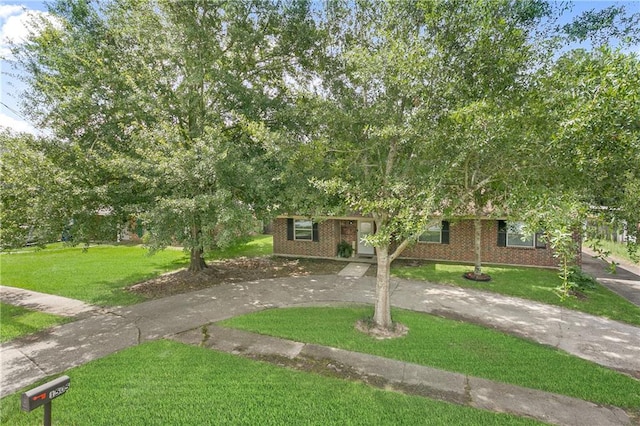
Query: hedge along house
point(502, 242)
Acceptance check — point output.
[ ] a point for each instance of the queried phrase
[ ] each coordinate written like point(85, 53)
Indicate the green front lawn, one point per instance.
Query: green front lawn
point(16, 321)
point(168, 383)
point(528, 283)
point(453, 346)
point(97, 275)
point(259, 245)
point(100, 274)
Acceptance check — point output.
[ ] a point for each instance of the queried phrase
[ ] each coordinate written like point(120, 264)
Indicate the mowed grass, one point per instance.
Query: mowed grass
point(256, 246)
point(168, 383)
point(100, 274)
point(16, 321)
point(528, 283)
point(453, 346)
point(97, 275)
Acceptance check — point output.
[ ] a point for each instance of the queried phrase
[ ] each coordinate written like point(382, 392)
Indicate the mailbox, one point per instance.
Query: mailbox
point(45, 393)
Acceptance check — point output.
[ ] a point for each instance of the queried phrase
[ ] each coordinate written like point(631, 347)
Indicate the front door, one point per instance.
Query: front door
point(365, 227)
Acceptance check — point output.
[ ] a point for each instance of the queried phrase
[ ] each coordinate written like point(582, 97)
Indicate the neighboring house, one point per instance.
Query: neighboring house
point(132, 231)
point(502, 242)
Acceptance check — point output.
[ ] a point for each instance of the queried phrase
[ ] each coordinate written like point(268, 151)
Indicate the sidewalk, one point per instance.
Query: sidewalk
point(42, 302)
point(625, 282)
point(606, 342)
point(414, 379)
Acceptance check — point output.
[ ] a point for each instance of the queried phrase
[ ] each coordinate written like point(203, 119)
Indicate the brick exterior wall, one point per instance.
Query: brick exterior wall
point(326, 247)
point(349, 232)
point(459, 249)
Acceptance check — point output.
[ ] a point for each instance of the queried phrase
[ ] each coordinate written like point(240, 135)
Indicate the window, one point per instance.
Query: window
point(302, 230)
point(431, 235)
point(436, 234)
point(516, 236)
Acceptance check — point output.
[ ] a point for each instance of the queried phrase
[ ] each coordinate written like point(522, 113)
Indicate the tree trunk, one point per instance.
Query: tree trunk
point(382, 313)
point(477, 246)
point(197, 262)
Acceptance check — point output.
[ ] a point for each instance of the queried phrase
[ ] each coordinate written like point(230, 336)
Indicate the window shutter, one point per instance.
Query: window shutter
point(540, 240)
point(316, 237)
point(502, 233)
point(444, 232)
point(289, 229)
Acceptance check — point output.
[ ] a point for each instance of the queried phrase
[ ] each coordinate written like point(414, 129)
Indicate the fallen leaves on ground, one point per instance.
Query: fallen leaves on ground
point(233, 270)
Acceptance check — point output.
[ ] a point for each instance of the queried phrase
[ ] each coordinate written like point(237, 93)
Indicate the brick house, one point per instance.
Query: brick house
point(503, 242)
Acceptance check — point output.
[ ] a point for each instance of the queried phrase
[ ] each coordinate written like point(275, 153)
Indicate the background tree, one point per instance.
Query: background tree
point(592, 99)
point(43, 195)
point(489, 129)
point(490, 144)
point(26, 171)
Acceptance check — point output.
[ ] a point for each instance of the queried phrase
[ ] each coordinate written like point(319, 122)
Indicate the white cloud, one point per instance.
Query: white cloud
point(7, 10)
point(16, 125)
point(16, 25)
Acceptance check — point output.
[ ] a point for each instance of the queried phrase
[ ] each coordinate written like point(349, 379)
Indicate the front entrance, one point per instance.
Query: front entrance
point(365, 227)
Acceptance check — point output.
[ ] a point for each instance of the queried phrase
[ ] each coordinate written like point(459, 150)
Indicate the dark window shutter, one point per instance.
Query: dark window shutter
point(444, 233)
point(540, 240)
point(289, 229)
point(502, 233)
point(316, 237)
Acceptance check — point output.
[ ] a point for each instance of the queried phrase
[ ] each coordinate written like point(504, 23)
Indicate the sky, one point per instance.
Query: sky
point(14, 16)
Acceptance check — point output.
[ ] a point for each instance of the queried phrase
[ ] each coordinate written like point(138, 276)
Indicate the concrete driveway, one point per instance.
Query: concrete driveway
point(101, 332)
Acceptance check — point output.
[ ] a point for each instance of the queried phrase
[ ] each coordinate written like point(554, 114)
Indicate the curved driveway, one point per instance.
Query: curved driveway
point(24, 361)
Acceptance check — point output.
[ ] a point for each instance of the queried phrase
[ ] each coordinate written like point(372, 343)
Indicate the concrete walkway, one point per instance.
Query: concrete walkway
point(42, 302)
point(354, 269)
point(103, 332)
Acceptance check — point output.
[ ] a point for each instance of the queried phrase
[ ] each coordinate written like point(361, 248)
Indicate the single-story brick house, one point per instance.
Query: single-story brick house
point(503, 242)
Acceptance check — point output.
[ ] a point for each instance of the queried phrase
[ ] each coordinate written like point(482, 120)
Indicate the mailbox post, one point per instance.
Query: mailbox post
point(43, 395)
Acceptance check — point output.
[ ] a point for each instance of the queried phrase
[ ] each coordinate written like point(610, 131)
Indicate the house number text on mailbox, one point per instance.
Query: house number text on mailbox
point(45, 393)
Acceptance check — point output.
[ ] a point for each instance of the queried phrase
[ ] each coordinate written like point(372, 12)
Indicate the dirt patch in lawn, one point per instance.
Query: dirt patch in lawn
point(233, 270)
point(368, 327)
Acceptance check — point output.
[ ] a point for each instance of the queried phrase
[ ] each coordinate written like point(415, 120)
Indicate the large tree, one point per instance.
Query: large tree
point(171, 103)
point(492, 130)
point(392, 75)
point(492, 149)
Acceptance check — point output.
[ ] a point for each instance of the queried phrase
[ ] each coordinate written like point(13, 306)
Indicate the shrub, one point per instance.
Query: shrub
point(344, 249)
point(580, 280)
